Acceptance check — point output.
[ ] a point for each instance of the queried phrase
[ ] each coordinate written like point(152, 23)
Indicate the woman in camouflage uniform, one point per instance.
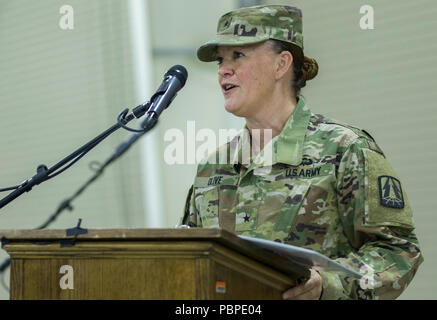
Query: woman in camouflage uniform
point(312, 181)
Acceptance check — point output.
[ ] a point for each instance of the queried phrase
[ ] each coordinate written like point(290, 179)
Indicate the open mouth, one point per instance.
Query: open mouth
point(228, 87)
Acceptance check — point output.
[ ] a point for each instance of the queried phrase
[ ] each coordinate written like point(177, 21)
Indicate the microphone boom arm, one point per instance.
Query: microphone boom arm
point(43, 173)
point(174, 80)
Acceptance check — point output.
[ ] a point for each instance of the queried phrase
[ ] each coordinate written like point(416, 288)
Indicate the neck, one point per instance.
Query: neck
point(281, 109)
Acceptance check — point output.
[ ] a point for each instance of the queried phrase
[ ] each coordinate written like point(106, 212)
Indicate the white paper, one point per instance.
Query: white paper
point(304, 257)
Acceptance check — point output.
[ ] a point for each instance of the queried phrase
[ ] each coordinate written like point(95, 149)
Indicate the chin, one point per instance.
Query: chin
point(234, 109)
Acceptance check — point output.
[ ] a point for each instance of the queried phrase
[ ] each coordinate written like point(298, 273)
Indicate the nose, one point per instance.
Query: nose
point(225, 70)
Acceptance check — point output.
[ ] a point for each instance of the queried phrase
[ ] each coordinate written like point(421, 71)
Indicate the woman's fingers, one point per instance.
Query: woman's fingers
point(309, 290)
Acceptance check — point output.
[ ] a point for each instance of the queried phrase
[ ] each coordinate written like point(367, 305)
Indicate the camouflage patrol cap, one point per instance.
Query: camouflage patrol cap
point(255, 24)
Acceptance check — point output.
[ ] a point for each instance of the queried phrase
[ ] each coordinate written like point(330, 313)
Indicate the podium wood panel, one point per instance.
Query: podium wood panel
point(143, 264)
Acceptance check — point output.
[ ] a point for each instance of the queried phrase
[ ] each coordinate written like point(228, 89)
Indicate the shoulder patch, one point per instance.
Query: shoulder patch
point(385, 199)
point(390, 192)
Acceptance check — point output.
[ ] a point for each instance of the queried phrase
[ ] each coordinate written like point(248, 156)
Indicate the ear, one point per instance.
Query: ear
point(283, 64)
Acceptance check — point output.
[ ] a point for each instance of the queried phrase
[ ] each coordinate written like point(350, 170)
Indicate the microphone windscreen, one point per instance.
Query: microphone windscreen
point(179, 72)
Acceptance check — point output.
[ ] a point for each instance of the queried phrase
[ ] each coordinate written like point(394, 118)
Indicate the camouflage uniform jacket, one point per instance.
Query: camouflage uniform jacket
point(329, 189)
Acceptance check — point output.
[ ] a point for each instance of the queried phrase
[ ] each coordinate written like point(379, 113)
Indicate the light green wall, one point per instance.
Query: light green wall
point(58, 89)
point(381, 80)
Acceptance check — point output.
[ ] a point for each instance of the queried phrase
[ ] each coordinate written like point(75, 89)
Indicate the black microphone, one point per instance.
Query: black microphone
point(174, 80)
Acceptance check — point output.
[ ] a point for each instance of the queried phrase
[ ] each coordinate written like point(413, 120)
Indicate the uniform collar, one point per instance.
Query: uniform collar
point(287, 147)
point(289, 144)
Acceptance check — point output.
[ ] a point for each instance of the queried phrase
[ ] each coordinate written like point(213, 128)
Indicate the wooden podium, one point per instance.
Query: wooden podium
point(143, 264)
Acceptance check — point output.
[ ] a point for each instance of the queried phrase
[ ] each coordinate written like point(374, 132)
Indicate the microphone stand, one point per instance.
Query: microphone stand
point(66, 203)
point(43, 173)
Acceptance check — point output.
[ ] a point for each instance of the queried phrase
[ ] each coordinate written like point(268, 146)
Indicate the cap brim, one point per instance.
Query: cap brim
point(208, 52)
